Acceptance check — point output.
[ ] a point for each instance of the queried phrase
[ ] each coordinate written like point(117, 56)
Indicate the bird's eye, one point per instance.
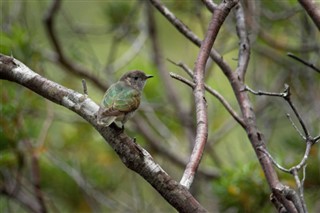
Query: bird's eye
point(135, 78)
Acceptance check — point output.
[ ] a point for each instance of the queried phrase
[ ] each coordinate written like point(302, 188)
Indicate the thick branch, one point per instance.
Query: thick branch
point(255, 136)
point(131, 154)
point(313, 11)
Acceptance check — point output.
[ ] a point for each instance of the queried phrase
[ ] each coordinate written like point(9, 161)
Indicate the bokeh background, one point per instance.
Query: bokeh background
point(78, 170)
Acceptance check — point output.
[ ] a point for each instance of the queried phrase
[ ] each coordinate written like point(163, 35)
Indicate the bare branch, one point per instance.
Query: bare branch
point(286, 96)
point(244, 47)
point(213, 92)
point(300, 204)
point(84, 85)
point(312, 66)
point(183, 66)
point(59, 56)
point(210, 5)
point(262, 149)
point(295, 126)
point(201, 106)
point(182, 79)
point(313, 11)
point(185, 31)
point(255, 136)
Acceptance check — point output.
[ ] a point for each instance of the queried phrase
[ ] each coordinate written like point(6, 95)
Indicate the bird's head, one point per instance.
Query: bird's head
point(137, 79)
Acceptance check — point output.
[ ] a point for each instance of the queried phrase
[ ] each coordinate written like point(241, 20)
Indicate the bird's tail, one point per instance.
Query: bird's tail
point(103, 120)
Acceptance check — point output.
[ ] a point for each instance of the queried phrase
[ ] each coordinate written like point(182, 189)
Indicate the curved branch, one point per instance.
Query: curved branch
point(59, 57)
point(131, 154)
point(201, 106)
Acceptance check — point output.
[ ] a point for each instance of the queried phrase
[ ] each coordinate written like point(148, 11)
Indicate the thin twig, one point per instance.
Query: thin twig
point(84, 86)
point(182, 79)
point(183, 66)
point(286, 96)
point(301, 203)
point(273, 160)
point(213, 92)
point(210, 5)
point(305, 157)
point(312, 66)
point(185, 31)
point(259, 92)
point(295, 126)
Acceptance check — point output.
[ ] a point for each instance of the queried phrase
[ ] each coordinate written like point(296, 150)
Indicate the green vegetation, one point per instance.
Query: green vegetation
point(79, 172)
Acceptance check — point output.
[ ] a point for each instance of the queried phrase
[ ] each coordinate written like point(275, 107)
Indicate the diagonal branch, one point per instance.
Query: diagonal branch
point(313, 10)
point(131, 154)
point(308, 64)
point(216, 94)
point(185, 31)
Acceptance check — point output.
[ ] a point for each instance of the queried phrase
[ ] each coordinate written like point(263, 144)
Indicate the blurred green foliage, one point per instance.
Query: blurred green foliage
point(75, 161)
point(242, 186)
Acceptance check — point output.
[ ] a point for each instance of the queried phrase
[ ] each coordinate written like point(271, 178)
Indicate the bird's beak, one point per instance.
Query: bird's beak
point(149, 76)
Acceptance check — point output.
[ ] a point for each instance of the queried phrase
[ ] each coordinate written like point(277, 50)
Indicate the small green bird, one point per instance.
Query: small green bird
point(122, 98)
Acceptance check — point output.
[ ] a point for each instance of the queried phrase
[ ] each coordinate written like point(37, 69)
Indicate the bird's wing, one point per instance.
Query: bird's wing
point(119, 99)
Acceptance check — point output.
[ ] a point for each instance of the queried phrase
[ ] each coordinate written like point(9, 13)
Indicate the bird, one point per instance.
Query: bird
point(122, 98)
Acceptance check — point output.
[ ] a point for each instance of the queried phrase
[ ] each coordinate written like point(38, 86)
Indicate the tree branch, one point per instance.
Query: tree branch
point(255, 136)
point(131, 154)
point(201, 106)
point(214, 93)
point(313, 11)
point(59, 57)
point(244, 47)
point(312, 66)
point(185, 31)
